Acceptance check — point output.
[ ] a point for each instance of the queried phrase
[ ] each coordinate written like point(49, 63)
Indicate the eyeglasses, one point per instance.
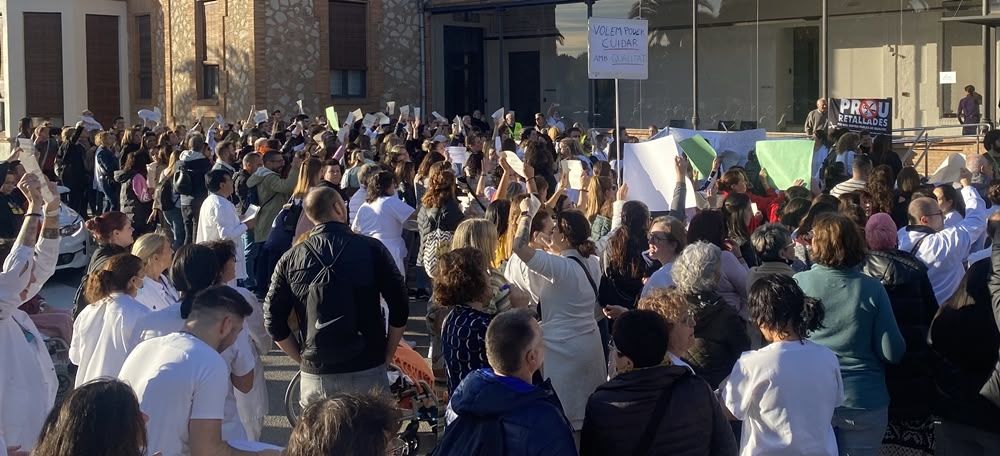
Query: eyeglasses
point(933, 214)
point(653, 238)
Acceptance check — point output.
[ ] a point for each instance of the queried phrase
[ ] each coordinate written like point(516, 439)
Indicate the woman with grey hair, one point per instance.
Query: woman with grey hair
point(720, 334)
point(775, 249)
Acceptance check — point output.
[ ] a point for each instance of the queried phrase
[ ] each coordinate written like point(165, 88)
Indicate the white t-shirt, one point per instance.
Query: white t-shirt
point(103, 336)
point(383, 218)
point(177, 378)
point(785, 394)
point(157, 294)
point(357, 199)
point(237, 357)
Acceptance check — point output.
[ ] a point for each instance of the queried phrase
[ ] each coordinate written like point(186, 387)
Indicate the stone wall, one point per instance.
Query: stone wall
point(291, 31)
point(398, 42)
point(239, 60)
point(182, 68)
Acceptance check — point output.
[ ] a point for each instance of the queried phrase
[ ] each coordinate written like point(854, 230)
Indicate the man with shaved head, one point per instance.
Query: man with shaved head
point(332, 281)
point(982, 173)
point(944, 250)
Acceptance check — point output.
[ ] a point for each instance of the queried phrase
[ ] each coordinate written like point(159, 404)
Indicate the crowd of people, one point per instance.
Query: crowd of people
point(852, 314)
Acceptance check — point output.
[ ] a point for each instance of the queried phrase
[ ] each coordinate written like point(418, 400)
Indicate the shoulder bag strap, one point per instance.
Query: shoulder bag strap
point(646, 441)
point(312, 250)
point(916, 246)
point(589, 278)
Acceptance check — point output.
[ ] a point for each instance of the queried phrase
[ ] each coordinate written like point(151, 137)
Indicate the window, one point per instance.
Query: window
point(209, 82)
point(145, 38)
point(347, 83)
point(208, 42)
point(348, 48)
point(43, 65)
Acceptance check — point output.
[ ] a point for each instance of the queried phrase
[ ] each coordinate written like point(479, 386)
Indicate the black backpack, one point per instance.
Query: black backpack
point(330, 331)
point(184, 181)
point(165, 195)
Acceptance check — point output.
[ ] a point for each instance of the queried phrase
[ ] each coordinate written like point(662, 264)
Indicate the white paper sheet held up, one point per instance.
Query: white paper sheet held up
point(457, 154)
point(949, 171)
point(650, 173)
point(390, 108)
point(515, 163)
point(251, 213)
point(30, 165)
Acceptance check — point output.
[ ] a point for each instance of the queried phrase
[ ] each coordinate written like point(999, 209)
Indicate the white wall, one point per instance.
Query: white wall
point(74, 27)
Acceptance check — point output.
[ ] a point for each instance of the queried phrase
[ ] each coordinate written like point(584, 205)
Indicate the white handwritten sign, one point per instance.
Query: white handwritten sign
point(618, 48)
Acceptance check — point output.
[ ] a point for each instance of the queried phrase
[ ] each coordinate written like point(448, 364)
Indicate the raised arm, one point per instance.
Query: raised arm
point(679, 200)
point(522, 237)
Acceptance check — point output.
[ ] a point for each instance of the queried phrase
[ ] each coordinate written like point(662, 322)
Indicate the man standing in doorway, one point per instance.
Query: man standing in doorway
point(816, 120)
point(968, 110)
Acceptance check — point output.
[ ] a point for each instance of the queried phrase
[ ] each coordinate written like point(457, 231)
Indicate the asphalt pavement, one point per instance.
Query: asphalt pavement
point(279, 369)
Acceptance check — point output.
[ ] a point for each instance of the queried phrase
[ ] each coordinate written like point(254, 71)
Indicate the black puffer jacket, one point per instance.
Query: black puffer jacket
point(965, 334)
point(720, 337)
point(619, 411)
point(904, 277)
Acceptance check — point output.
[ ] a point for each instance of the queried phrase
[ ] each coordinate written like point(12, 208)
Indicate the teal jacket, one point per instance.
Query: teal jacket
point(859, 327)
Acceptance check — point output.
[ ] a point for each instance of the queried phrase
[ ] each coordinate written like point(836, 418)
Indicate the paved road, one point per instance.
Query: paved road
point(279, 369)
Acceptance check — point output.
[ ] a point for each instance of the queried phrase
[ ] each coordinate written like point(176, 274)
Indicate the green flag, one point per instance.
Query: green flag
point(701, 154)
point(786, 161)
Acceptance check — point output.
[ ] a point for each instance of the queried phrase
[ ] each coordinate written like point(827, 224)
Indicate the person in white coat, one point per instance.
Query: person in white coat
point(383, 216)
point(28, 391)
point(563, 275)
point(944, 250)
point(252, 405)
point(157, 290)
point(219, 219)
point(103, 333)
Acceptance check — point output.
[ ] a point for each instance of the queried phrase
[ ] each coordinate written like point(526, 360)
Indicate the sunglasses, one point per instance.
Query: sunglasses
point(654, 238)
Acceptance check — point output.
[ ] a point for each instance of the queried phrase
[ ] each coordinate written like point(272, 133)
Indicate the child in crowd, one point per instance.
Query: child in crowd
point(786, 392)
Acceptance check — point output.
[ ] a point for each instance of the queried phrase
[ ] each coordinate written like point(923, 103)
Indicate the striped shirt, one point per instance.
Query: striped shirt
point(847, 186)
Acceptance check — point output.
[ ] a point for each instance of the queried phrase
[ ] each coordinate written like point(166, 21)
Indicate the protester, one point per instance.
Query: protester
point(720, 333)
point(803, 235)
point(816, 120)
point(910, 382)
point(981, 173)
point(675, 310)
point(965, 334)
point(858, 311)
point(272, 193)
point(219, 219)
point(337, 277)
point(600, 198)
point(846, 150)
point(563, 278)
point(157, 291)
point(28, 384)
point(186, 403)
point(103, 333)
point(785, 393)
point(481, 235)
point(189, 182)
point(349, 424)
point(439, 214)
point(248, 402)
point(862, 168)
point(709, 226)
point(463, 288)
point(776, 250)
point(943, 249)
point(71, 167)
point(652, 406)
point(99, 417)
point(12, 204)
point(667, 239)
point(112, 231)
point(625, 268)
point(951, 204)
point(105, 166)
point(136, 191)
point(739, 216)
point(383, 216)
point(501, 407)
point(364, 174)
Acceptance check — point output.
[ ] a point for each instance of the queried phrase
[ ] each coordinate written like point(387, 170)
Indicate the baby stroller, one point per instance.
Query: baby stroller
point(56, 327)
point(411, 382)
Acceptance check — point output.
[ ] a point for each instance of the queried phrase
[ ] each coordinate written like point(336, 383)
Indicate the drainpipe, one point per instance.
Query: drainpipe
point(423, 62)
point(988, 49)
point(824, 44)
point(694, 64)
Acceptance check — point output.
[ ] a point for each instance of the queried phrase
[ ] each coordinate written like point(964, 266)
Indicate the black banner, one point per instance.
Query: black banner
point(861, 114)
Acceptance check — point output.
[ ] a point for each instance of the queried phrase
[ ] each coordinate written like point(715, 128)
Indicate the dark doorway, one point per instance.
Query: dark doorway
point(43, 66)
point(103, 78)
point(463, 70)
point(524, 85)
point(805, 72)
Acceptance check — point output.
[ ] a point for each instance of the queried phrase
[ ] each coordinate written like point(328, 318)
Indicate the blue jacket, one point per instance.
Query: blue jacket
point(506, 416)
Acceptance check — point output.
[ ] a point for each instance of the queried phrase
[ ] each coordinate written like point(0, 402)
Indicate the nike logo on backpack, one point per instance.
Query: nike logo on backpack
point(320, 327)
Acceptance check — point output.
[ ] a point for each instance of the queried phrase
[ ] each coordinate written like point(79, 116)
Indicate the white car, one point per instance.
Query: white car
point(73, 238)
